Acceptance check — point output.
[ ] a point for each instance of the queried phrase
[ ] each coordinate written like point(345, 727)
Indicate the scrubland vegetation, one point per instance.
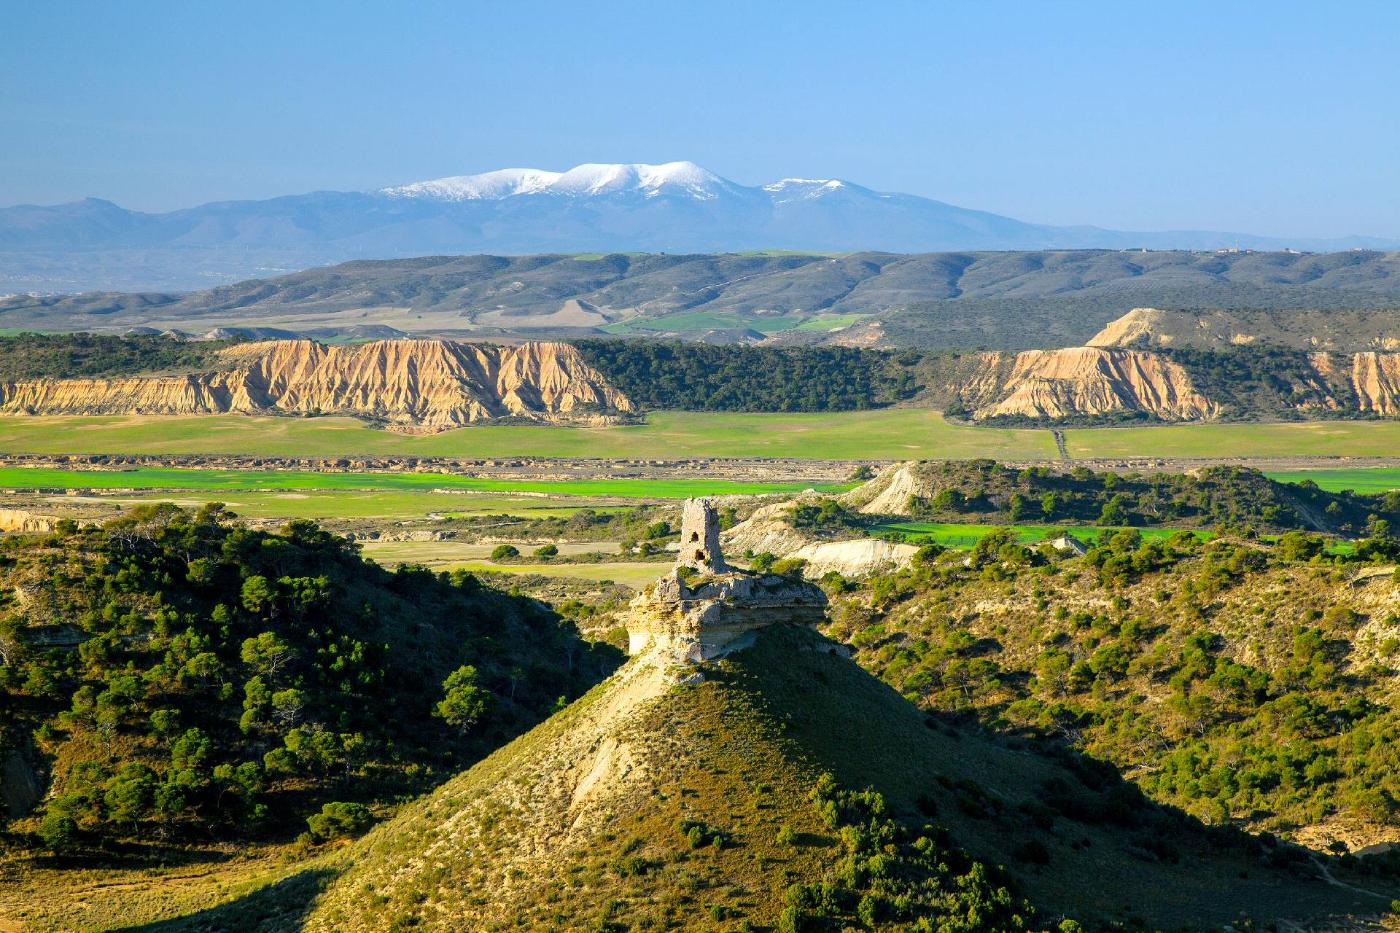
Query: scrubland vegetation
point(175, 676)
point(1244, 682)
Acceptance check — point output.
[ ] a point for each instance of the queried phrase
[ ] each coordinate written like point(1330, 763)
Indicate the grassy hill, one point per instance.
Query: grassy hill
point(697, 800)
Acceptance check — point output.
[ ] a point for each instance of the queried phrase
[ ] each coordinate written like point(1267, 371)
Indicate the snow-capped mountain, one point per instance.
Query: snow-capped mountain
point(589, 180)
point(627, 207)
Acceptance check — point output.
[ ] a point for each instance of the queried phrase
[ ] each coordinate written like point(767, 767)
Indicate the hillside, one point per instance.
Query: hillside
point(709, 795)
point(436, 384)
point(1244, 683)
point(421, 385)
point(1218, 329)
point(174, 675)
point(996, 300)
point(1231, 497)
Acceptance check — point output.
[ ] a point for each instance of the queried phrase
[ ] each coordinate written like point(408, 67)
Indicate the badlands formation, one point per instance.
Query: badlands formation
point(1333, 361)
point(1084, 381)
point(410, 385)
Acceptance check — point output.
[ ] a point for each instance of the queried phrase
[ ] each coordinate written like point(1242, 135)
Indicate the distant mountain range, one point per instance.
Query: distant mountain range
point(1005, 300)
point(674, 207)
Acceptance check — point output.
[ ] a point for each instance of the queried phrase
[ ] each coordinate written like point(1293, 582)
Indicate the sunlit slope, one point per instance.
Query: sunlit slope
point(591, 818)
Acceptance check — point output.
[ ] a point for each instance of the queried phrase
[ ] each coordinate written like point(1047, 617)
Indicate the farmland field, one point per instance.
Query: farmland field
point(1293, 439)
point(217, 480)
point(887, 434)
point(890, 434)
point(1362, 480)
point(965, 535)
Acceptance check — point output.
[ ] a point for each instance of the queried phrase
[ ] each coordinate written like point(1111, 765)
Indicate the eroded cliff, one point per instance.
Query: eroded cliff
point(1083, 381)
point(422, 385)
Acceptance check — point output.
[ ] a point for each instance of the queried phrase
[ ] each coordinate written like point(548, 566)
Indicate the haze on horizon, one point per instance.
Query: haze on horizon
point(1279, 121)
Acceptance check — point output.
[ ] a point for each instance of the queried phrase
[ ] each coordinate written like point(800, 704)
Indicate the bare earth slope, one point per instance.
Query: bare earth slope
point(1084, 381)
point(407, 384)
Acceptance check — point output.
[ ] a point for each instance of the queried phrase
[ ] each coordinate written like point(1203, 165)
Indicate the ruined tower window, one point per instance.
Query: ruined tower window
point(700, 547)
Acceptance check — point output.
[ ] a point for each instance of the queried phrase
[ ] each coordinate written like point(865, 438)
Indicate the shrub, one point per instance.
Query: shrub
point(337, 819)
point(505, 552)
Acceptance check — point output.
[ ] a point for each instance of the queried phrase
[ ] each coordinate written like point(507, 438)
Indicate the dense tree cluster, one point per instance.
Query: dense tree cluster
point(706, 377)
point(178, 673)
point(1266, 382)
point(1226, 497)
point(39, 356)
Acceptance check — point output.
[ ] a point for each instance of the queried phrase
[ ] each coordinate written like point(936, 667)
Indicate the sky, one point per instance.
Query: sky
point(1273, 118)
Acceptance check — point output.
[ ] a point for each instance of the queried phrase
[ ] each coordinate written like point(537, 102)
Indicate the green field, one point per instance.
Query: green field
point(1294, 439)
point(1362, 479)
point(241, 480)
point(965, 535)
point(890, 434)
point(627, 573)
point(706, 320)
point(887, 434)
point(352, 504)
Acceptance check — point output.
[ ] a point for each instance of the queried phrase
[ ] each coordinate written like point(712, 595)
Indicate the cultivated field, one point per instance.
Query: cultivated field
point(217, 480)
point(1362, 479)
point(967, 534)
point(896, 434)
point(890, 434)
point(1293, 439)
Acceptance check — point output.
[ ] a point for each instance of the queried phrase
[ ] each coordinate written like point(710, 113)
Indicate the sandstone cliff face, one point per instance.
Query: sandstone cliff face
point(408, 384)
point(1083, 381)
point(1375, 378)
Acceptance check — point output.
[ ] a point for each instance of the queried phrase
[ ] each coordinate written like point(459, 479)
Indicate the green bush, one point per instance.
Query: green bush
point(338, 819)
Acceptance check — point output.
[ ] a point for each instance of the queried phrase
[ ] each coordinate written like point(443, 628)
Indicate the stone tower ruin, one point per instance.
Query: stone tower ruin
point(700, 538)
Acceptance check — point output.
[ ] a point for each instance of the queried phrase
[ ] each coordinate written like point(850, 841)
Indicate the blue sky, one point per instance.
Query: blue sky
point(1277, 118)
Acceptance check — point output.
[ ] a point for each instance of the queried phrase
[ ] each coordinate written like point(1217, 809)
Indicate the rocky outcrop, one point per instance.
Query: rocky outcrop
point(703, 609)
point(408, 384)
point(886, 494)
point(1375, 378)
point(22, 520)
point(701, 618)
point(859, 558)
point(768, 530)
point(1083, 381)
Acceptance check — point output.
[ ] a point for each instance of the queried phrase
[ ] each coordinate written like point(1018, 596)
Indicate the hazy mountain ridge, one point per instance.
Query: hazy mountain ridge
point(1005, 300)
point(678, 206)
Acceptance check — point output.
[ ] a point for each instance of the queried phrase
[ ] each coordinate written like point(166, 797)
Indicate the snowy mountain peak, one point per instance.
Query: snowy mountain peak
point(794, 189)
point(589, 179)
point(488, 186)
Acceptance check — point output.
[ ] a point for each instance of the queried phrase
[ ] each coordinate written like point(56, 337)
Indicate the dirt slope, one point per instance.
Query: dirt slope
point(407, 384)
point(1083, 381)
